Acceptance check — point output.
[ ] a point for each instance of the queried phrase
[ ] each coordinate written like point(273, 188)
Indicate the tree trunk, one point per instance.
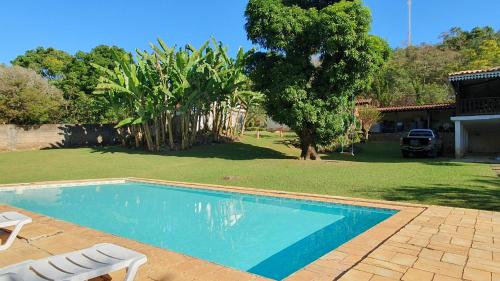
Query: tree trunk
point(308, 149)
point(183, 129)
point(136, 131)
point(170, 131)
point(309, 153)
point(229, 123)
point(206, 126)
point(134, 134)
point(149, 138)
point(235, 130)
point(243, 123)
point(157, 131)
point(220, 120)
point(185, 121)
point(194, 128)
point(215, 123)
point(223, 121)
point(162, 121)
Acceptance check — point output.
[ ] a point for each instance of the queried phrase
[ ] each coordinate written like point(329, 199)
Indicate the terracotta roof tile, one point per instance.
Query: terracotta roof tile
point(362, 101)
point(417, 107)
point(475, 71)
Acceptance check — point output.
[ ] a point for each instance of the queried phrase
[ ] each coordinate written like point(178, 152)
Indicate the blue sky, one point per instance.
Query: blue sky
point(81, 25)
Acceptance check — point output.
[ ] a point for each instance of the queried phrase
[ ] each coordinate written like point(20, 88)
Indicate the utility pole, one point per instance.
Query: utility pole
point(409, 23)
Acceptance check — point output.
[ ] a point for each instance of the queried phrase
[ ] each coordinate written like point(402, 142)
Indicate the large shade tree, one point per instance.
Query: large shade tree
point(317, 56)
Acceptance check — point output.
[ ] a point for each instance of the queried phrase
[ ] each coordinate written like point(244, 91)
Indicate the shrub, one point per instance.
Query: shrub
point(368, 116)
point(28, 99)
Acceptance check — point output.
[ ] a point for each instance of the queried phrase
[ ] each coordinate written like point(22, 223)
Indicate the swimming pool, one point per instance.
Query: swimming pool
point(269, 236)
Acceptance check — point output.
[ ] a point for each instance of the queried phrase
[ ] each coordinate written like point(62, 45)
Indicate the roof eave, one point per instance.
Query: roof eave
point(417, 107)
point(474, 76)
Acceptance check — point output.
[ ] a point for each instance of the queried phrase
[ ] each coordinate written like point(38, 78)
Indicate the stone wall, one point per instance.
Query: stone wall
point(14, 137)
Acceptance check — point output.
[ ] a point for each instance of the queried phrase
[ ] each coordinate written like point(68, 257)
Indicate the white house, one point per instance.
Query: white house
point(477, 120)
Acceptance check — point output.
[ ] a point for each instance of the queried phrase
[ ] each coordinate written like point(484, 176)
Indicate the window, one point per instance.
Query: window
point(421, 133)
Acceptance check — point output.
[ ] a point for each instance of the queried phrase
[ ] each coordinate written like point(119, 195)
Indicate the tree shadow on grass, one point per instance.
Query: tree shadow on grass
point(482, 193)
point(229, 151)
point(288, 142)
point(387, 152)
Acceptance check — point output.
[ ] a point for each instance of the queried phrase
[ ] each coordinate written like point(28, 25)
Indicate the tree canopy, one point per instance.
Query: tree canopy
point(75, 76)
point(26, 98)
point(48, 62)
point(458, 39)
point(419, 74)
point(80, 81)
point(318, 56)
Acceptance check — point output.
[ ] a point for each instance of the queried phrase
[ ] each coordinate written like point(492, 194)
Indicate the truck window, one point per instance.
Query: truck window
point(420, 134)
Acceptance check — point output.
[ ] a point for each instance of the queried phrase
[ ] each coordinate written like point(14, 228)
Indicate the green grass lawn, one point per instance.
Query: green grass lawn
point(376, 172)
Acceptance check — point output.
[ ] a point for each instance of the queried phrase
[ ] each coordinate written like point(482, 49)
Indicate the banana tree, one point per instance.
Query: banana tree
point(249, 100)
point(166, 87)
point(133, 86)
point(232, 80)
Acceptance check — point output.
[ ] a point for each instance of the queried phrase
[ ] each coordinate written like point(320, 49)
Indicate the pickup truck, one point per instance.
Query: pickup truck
point(421, 141)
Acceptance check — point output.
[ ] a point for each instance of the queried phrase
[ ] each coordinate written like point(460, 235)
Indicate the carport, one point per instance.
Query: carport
point(478, 134)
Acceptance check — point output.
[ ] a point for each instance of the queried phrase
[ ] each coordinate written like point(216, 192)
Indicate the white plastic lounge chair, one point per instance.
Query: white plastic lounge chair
point(85, 264)
point(12, 219)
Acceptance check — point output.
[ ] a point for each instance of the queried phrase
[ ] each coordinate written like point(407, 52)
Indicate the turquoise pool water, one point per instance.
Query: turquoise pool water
point(268, 236)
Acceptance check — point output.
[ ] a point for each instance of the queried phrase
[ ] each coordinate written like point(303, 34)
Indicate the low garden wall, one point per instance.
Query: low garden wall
point(15, 137)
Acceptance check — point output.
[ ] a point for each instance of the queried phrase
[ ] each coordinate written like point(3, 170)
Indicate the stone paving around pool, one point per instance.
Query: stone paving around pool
point(441, 244)
point(419, 243)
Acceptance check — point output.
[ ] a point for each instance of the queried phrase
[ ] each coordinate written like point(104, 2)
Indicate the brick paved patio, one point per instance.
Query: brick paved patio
point(440, 244)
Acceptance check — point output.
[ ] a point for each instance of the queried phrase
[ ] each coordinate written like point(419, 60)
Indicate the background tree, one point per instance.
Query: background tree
point(250, 102)
point(48, 62)
point(486, 56)
point(479, 47)
point(425, 72)
point(419, 74)
point(309, 97)
point(368, 115)
point(256, 118)
point(80, 80)
point(26, 98)
point(381, 79)
point(458, 40)
point(75, 76)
